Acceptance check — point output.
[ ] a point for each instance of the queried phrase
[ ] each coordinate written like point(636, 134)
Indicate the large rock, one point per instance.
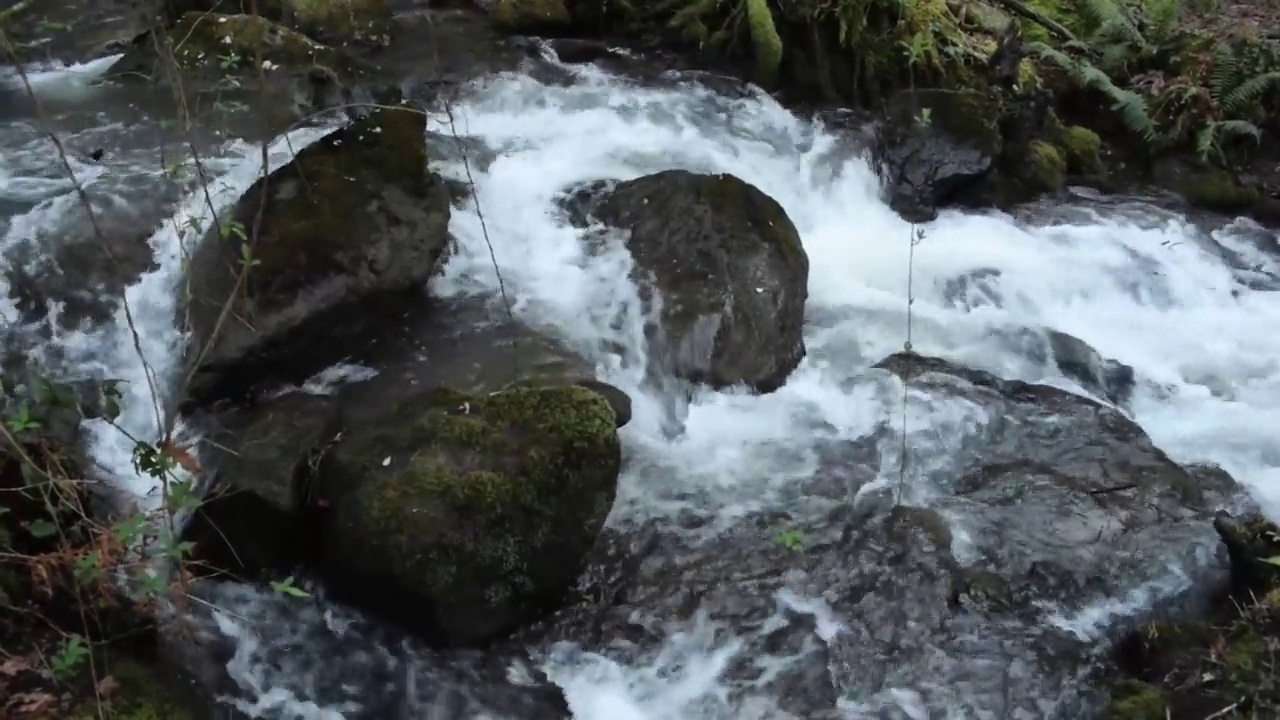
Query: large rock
point(258, 515)
point(355, 217)
point(937, 148)
point(730, 271)
point(340, 22)
point(213, 54)
point(463, 515)
point(1034, 525)
point(254, 517)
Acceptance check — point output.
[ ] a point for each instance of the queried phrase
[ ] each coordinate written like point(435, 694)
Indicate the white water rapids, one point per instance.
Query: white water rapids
point(1143, 286)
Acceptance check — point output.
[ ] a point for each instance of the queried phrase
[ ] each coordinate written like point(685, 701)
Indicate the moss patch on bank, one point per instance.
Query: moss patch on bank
point(1224, 666)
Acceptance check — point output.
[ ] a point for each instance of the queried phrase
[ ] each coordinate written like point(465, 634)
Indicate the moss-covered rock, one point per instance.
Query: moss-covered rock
point(464, 515)
point(1192, 669)
point(731, 271)
point(339, 22)
point(1134, 700)
point(136, 693)
point(215, 54)
point(1082, 149)
point(1215, 189)
point(363, 22)
point(1043, 169)
point(532, 16)
point(354, 217)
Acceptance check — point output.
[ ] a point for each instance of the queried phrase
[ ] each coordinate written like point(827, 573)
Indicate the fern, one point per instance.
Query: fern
point(1131, 107)
point(1248, 92)
point(1210, 138)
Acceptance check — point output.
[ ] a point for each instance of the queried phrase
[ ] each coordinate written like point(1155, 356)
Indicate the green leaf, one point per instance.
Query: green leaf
point(286, 587)
point(41, 529)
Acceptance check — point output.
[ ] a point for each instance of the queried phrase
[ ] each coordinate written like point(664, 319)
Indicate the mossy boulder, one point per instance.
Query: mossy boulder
point(355, 217)
point(462, 516)
point(535, 17)
point(137, 692)
point(253, 519)
point(1214, 189)
point(215, 53)
point(339, 22)
point(1043, 168)
point(729, 270)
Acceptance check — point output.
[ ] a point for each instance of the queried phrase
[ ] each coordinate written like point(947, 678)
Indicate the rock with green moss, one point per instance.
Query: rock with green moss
point(215, 54)
point(1082, 149)
point(462, 515)
point(339, 22)
point(729, 270)
point(1210, 188)
point(1196, 668)
point(532, 16)
point(355, 218)
point(138, 692)
point(1043, 168)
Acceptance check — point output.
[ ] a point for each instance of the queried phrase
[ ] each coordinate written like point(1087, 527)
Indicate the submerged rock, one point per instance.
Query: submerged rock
point(1077, 359)
point(1033, 525)
point(354, 218)
point(461, 515)
point(729, 271)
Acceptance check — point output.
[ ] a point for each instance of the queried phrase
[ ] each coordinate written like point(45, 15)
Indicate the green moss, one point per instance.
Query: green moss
point(363, 21)
point(140, 695)
point(531, 15)
point(484, 504)
point(1215, 189)
point(316, 202)
point(1133, 700)
point(970, 116)
point(765, 41)
point(227, 44)
point(1082, 149)
point(1044, 170)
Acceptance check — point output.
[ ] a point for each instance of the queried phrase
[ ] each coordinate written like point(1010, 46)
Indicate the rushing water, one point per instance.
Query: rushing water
point(1185, 304)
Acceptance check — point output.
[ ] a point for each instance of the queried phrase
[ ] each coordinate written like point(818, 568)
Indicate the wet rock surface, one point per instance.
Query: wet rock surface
point(729, 271)
point(368, 669)
point(975, 596)
point(355, 216)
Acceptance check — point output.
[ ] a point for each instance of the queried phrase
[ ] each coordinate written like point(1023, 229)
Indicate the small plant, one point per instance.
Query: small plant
point(790, 539)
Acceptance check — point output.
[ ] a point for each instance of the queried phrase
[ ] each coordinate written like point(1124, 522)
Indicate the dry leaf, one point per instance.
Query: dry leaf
point(15, 664)
point(180, 455)
point(107, 687)
point(33, 703)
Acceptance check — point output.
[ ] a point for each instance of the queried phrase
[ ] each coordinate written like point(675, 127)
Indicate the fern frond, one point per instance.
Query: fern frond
point(1249, 92)
point(1131, 106)
point(1207, 142)
point(1224, 75)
